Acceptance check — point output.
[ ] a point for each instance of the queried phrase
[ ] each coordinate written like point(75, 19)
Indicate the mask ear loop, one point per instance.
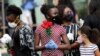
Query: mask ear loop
point(16, 18)
point(69, 29)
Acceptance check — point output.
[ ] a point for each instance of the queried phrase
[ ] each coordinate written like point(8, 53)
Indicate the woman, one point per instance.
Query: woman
point(67, 16)
point(22, 36)
point(71, 6)
point(50, 37)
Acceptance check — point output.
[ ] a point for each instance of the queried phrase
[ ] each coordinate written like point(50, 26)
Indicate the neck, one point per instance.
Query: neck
point(87, 42)
point(67, 23)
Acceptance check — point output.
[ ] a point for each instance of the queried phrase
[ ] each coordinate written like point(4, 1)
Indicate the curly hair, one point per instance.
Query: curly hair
point(92, 34)
point(45, 8)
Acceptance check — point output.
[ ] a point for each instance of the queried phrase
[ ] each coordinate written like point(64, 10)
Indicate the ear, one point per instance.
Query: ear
point(17, 17)
point(84, 35)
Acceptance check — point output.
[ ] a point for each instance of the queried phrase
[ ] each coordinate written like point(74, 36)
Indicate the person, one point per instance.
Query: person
point(66, 14)
point(50, 34)
point(22, 36)
point(89, 39)
point(93, 19)
point(70, 4)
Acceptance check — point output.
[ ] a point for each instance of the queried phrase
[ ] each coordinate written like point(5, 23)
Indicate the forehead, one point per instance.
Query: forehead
point(53, 9)
point(11, 17)
point(67, 9)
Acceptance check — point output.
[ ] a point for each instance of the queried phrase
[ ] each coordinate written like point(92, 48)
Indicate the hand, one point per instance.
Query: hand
point(51, 45)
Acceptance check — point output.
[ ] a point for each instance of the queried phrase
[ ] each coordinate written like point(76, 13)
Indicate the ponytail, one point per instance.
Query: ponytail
point(95, 35)
point(92, 34)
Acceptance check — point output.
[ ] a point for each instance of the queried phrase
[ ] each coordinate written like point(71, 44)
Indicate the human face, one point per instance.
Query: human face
point(53, 12)
point(11, 18)
point(80, 35)
point(67, 15)
point(67, 11)
point(13, 21)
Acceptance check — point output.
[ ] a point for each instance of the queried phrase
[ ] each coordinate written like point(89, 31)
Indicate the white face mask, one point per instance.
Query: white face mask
point(12, 25)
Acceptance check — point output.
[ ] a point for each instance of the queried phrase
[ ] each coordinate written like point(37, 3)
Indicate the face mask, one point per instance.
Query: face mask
point(56, 19)
point(79, 39)
point(12, 25)
point(68, 17)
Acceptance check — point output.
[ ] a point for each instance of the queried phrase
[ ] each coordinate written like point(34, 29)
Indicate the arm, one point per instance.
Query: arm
point(36, 43)
point(66, 44)
point(97, 52)
point(75, 45)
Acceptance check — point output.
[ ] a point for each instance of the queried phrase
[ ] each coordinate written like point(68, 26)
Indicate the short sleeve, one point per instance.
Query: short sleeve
point(63, 31)
point(95, 47)
point(37, 31)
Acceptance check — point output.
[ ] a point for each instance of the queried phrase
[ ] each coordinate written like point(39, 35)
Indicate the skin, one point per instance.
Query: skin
point(64, 46)
point(87, 42)
point(66, 11)
point(11, 18)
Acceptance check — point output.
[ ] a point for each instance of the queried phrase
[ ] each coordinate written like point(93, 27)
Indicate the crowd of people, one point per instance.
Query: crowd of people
point(58, 35)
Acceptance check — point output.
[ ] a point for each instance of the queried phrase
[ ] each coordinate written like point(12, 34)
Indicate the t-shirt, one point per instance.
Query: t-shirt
point(88, 51)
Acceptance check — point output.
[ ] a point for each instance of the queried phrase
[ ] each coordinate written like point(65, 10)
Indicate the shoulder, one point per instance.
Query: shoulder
point(39, 27)
point(94, 46)
point(26, 27)
point(59, 26)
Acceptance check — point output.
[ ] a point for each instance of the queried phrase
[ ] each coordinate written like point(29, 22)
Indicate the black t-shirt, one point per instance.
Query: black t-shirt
point(16, 41)
point(16, 46)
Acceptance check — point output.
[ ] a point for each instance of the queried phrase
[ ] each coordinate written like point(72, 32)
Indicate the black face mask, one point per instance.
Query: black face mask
point(68, 17)
point(57, 19)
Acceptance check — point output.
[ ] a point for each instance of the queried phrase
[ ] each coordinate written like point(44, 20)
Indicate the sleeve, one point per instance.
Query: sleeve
point(63, 31)
point(95, 47)
point(37, 31)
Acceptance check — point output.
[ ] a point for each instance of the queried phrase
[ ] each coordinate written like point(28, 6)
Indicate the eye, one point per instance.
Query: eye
point(55, 13)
